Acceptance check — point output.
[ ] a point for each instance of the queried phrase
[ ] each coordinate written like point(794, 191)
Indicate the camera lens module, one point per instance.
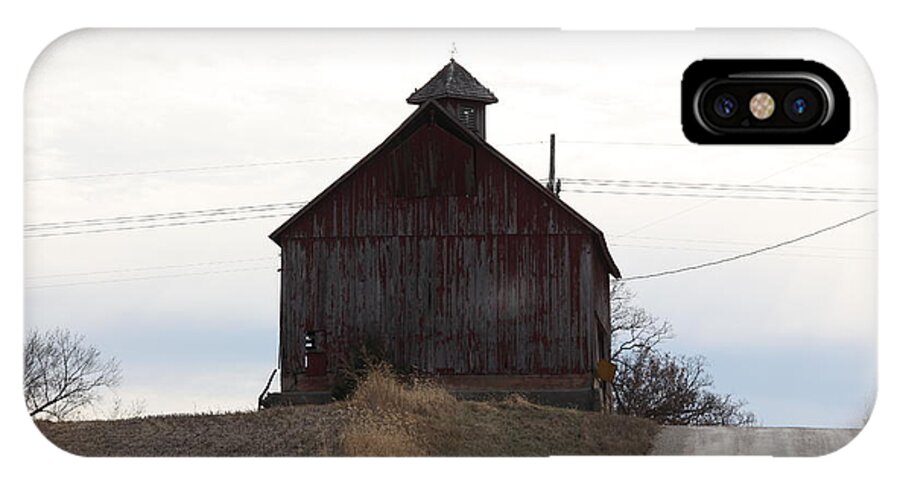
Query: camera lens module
point(782, 101)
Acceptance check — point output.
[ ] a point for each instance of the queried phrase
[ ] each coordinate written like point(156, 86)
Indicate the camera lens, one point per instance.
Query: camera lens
point(725, 105)
point(801, 106)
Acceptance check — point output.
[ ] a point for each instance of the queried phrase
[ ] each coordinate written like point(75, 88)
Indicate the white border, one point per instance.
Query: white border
point(29, 26)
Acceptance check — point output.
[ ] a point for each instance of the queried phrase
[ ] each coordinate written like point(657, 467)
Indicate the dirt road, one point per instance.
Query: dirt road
point(779, 442)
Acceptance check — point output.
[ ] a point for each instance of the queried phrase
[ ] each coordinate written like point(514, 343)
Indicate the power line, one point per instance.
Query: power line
point(587, 182)
point(120, 280)
point(203, 216)
point(720, 186)
point(734, 197)
point(733, 242)
point(161, 216)
point(513, 144)
point(693, 249)
point(612, 143)
point(191, 169)
point(144, 269)
point(753, 252)
point(158, 220)
point(233, 166)
point(830, 150)
point(205, 168)
point(694, 145)
point(198, 217)
point(637, 277)
point(160, 225)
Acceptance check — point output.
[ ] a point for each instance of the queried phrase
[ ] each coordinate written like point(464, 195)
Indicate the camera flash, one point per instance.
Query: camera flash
point(762, 105)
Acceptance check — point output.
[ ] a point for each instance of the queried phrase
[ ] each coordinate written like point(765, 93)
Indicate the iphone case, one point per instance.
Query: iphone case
point(403, 242)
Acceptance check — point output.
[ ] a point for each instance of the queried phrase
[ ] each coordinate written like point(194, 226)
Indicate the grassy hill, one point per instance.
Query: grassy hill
point(383, 418)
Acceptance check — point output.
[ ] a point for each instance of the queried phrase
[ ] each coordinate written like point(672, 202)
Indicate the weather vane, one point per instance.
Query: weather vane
point(453, 50)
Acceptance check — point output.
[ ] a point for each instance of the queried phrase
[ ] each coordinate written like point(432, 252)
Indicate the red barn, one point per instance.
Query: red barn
point(448, 254)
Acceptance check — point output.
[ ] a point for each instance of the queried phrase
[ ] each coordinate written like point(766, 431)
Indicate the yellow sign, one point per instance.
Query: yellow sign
point(606, 370)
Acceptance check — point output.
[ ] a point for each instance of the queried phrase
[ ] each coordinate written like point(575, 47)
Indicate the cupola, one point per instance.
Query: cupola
point(455, 89)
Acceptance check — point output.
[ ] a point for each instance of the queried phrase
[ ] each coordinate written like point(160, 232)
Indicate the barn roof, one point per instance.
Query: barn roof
point(432, 108)
point(453, 81)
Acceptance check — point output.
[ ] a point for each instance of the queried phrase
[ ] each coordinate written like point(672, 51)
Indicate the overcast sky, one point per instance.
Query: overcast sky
point(125, 123)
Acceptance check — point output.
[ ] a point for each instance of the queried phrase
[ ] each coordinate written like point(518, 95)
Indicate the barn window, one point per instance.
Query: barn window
point(311, 344)
point(314, 358)
point(309, 341)
point(467, 117)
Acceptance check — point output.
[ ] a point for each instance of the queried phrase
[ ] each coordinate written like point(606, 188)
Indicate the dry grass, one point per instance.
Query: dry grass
point(381, 390)
point(379, 438)
point(387, 415)
point(384, 417)
point(290, 431)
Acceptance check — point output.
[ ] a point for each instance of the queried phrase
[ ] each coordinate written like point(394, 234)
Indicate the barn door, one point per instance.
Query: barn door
point(603, 338)
point(314, 360)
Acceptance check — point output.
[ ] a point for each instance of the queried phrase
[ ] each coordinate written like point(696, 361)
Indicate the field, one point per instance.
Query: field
point(383, 418)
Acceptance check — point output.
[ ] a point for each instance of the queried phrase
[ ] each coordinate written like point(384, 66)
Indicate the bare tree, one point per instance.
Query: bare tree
point(670, 389)
point(633, 328)
point(62, 374)
point(674, 390)
point(120, 411)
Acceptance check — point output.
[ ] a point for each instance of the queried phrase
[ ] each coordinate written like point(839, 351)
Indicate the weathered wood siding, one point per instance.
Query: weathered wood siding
point(449, 257)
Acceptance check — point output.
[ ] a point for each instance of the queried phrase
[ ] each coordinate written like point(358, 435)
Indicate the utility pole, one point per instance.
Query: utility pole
point(553, 184)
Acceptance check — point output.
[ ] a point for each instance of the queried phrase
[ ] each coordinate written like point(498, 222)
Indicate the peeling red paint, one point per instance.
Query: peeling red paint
point(449, 256)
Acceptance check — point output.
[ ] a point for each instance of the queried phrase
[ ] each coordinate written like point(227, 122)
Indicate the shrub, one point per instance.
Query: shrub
point(383, 390)
point(391, 415)
point(353, 368)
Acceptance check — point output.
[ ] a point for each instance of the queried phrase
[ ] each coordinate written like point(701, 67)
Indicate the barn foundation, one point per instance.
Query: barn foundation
point(567, 391)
